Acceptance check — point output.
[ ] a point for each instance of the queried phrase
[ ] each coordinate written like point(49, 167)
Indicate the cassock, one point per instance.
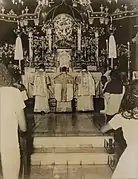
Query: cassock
point(41, 92)
point(64, 85)
point(85, 90)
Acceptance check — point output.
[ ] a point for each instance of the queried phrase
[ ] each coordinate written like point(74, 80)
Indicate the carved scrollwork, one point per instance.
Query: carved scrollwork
point(63, 24)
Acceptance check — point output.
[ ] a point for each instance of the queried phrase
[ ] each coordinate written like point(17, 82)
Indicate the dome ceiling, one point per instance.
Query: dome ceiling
point(63, 8)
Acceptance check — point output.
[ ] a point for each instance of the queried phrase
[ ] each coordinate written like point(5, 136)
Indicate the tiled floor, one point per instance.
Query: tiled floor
point(65, 124)
point(71, 172)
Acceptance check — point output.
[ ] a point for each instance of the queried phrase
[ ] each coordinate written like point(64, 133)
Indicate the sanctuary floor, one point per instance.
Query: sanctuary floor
point(66, 124)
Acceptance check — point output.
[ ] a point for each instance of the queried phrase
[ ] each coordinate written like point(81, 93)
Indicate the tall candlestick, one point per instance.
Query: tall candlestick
point(79, 38)
point(128, 49)
point(107, 52)
point(97, 47)
point(30, 47)
point(46, 2)
point(111, 19)
point(107, 46)
point(128, 46)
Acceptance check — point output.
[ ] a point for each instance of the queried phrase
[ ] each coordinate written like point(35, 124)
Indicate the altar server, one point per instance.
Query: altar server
point(85, 90)
point(11, 116)
point(127, 167)
point(41, 90)
point(113, 94)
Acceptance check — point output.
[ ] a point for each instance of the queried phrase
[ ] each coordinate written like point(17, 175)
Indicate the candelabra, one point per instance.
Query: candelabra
point(17, 2)
point(110, 1)
point(45, 2)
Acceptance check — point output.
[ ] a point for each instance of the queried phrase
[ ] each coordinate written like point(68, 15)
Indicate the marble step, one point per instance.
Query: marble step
point(77, 141)
point(82, 155)
point(71, 172)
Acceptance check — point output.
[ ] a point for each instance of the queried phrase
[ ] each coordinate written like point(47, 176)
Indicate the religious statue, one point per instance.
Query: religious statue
point(64, 87)
point(41, 90)
point(85, 90)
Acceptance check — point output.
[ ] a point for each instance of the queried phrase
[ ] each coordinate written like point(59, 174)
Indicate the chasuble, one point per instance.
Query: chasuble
point(64, 87)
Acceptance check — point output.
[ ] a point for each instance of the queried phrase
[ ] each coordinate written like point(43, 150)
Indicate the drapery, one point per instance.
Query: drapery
point(112, 47)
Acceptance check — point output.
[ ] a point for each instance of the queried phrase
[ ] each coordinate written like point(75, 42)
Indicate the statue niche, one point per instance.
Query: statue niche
point(63, 58)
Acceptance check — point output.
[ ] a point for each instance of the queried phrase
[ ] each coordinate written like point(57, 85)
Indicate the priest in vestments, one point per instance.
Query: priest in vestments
point(41, 90)
point(85, 90)
point(64, 87)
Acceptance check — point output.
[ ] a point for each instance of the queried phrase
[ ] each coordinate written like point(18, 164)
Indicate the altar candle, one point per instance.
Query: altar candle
point(107, 46)
point(128, 46)
point(111, 19)
point(39, 2)
point(97, 46)
point(30, 46)
point(79, 38)
point(46, 2)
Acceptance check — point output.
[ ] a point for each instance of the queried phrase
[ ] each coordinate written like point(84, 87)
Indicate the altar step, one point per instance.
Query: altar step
point(71, 172)
point(70, 150)
point(62, 156)
point(96, 140)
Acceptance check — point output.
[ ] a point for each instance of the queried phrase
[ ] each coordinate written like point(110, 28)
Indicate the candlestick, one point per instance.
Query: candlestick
point(111, 19)
point(79, 38)
point(46, 2)
point(128, 48)
point(30, 35)
point(107, 46)
point(97, 47)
